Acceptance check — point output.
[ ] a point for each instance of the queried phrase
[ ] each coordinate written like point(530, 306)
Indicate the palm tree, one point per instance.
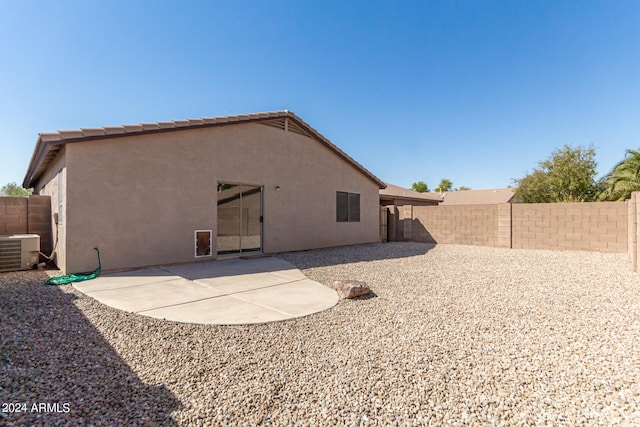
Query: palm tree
point(623, 179)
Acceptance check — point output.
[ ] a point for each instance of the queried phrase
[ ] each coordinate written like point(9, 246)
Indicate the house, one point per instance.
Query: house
point(185, 190)
point(476, 197)
point(399, 196)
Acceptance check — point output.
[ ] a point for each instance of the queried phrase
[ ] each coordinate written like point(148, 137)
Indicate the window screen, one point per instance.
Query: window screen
point(342, 206)
point(347, 207)
point(354, 207)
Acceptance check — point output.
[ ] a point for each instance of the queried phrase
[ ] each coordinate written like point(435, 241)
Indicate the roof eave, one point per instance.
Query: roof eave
point(57, 138)
point(408, 198)
point(36, 158)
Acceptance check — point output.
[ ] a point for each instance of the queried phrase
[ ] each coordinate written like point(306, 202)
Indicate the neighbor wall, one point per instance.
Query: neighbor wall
point(473, 225)
point(597, 226)
point(27, 215)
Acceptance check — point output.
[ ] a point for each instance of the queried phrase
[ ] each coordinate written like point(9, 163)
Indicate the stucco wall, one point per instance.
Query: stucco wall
point(139, 199)
point(53, 184)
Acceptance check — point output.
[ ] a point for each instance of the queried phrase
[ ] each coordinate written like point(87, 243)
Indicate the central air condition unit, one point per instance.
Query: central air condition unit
point(19, 252)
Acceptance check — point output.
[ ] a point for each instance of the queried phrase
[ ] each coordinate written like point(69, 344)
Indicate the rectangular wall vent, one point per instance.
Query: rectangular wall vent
point(279, 123)
point(286, 125)
point(297, 129)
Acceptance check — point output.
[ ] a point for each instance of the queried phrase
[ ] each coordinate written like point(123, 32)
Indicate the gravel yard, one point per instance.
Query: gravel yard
point(453, 334)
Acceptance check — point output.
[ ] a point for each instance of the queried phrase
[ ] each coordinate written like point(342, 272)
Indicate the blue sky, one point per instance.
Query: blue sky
point(474, 91)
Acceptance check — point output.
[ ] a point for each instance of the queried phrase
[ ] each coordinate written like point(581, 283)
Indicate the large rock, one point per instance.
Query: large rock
point(351, 288)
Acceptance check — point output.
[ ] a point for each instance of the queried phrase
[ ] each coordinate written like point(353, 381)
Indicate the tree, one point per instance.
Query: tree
point(445, 185)
point(462, 188)
point(14, 190)
point(567, 176)
point(420, 187)
point(623, 179)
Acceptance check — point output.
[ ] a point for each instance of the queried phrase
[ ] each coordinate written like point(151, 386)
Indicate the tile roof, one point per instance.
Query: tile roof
point(394, 191)
point(477, 197)
point(49, 143)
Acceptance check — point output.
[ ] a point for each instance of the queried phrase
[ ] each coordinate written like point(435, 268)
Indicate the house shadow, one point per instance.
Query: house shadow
point(357, 253)
point(418, 242)
point(55, 362)
point(419, 232)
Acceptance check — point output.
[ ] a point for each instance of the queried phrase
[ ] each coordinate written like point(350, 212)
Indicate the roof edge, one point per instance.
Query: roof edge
point(48, 139)
point(37, 154)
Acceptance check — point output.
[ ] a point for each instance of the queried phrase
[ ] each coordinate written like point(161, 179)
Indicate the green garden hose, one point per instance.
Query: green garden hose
point(76, 277)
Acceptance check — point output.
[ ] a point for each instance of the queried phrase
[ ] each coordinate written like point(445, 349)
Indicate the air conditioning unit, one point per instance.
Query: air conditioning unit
point(19, 251)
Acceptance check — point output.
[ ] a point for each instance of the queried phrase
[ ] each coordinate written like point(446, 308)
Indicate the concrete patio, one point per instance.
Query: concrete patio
point(231, 292)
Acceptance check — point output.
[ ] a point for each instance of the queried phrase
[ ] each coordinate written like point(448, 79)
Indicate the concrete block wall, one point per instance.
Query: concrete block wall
point(467, 225)
point(505, 227)
point(27, 215)
point(595, 226)
point(13, 215)
point(635, 226)
point(633, 221)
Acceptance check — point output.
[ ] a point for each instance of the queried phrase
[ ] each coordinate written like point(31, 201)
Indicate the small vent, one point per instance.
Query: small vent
point(293, 127)
point(10, 255)
point(275, 123)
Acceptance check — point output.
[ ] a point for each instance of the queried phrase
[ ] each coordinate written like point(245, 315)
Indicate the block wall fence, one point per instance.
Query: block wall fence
point(27, 215)
point(594, 226)
point(633, 219)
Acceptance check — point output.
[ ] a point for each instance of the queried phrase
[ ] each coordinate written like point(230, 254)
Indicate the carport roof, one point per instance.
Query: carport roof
point(477, 197)
point(397, 192)
point(49, 143)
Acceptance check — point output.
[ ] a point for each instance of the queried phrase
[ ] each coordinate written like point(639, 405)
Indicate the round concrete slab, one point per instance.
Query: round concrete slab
point(231, 292)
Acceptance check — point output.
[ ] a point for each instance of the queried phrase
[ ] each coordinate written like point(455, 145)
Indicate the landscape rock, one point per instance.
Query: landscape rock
point(459, 335)
point(351, 288)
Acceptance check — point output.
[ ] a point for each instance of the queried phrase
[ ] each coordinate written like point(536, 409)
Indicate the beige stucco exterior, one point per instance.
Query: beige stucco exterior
point(53, 184)
point(139, 198)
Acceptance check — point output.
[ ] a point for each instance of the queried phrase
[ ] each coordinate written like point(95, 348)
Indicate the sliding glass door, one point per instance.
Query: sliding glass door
point(239, 218)
point(251, 218)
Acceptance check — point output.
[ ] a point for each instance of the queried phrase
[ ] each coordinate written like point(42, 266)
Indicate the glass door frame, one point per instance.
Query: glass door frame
point(241, 228)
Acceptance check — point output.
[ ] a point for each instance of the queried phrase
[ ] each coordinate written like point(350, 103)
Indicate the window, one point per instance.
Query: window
point(347, 207)
point(354, 207)
point(342, 206)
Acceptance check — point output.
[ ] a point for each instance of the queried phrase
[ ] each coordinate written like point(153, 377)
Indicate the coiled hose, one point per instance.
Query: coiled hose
point(76, 277)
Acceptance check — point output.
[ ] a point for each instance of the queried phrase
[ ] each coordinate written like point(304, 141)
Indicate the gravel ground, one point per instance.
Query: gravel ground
point(455, 335)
